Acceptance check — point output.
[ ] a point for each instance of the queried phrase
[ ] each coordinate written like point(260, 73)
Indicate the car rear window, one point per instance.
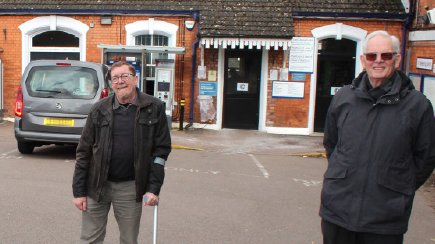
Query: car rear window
point(62, 82)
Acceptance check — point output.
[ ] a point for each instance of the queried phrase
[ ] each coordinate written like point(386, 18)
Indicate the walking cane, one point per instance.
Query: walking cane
point(156, 211)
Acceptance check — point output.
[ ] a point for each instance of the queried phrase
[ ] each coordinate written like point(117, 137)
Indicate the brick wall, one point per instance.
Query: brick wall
point(294, 112)
point(424, 49)
point(10, 42)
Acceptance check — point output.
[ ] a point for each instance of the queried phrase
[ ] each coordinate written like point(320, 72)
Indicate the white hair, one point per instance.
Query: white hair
point(394, 40)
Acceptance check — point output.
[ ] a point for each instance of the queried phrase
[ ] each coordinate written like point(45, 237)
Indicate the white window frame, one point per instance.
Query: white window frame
point(39, 25)
point(152, 27)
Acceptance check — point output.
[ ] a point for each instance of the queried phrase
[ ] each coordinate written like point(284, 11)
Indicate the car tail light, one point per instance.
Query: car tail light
point(63, 64)
point(104, 93)
point(19, 103)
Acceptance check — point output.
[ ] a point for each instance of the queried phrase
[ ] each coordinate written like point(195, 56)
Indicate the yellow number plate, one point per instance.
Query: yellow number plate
point(58, 122)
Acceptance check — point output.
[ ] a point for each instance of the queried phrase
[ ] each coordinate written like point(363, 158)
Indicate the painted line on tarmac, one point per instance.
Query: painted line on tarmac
point(186, 148)
point(312, 155)
point(260, 166)
point(257, 176)
point(6, 153)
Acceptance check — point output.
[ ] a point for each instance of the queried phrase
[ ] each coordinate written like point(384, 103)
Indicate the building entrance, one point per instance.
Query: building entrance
point(335, 69)
point(241, 89)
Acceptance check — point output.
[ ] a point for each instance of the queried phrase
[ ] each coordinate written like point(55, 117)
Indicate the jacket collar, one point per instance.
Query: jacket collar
point(402, 85)
point(142, 99)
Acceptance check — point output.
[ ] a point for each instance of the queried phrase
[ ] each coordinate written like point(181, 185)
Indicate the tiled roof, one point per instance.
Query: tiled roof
point(349, 6)
point(218, 18)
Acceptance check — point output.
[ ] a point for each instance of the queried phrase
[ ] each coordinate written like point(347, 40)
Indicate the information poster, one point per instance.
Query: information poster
point(288, 89)
point(429, 88)
point(301, 58)
point(207, 88)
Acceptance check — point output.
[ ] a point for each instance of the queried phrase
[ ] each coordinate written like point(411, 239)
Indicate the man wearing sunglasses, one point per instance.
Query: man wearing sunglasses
point(380, 144)
point(120, 158)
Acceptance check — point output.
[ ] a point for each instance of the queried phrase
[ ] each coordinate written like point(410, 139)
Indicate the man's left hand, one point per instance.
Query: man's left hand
point(152, 199)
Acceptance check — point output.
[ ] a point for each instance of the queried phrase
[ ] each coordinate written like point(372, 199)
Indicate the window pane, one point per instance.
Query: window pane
point(55, 39)
point(160, 40)
point(143, 40)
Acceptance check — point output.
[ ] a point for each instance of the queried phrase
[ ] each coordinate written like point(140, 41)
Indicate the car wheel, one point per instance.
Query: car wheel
point(26, 147)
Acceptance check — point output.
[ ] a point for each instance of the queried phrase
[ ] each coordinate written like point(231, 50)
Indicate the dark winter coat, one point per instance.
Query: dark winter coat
point(151, 139)
point(379, 153)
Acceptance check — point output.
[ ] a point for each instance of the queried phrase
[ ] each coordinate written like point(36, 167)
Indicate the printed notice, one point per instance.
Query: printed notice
point(301, 58)
point(424, 63)
point(288, 89)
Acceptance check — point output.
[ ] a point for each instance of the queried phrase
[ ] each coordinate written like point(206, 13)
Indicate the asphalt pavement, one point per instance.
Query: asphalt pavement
point(228, 186)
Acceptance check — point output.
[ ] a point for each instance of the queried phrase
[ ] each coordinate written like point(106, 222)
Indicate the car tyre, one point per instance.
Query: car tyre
point(26, 147)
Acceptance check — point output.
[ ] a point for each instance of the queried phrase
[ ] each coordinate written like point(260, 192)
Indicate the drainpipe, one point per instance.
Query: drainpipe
point(402, 61)
point(195, 16)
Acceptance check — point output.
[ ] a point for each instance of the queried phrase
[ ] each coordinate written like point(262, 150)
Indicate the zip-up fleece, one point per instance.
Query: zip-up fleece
point(379, 153)
point(152, 145)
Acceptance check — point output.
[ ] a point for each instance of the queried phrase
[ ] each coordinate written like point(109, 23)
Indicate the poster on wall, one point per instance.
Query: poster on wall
point(301, 57)
point(416, 80)
point(429, 88)
point(288, 89)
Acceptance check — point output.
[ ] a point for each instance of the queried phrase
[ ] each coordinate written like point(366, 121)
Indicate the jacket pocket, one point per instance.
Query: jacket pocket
point(100, 124)
point(395, 183)
point(148, 121)
point(335, 173)
point(147, 127)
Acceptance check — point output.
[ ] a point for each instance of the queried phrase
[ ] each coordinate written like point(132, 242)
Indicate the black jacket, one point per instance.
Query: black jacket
point(379, 153)
point(151, 140)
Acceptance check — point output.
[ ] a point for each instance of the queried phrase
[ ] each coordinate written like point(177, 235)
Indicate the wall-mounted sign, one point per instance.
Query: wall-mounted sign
point(273, 74)
point(212, 74)
point(301, 58)
point(207, 88)
point(288, 89)
point(242, 86)
point(424, 63)
point(334, 89)
point(298, 76)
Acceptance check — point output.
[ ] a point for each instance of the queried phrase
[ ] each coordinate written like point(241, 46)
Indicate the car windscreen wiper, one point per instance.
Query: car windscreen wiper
point(42, 90)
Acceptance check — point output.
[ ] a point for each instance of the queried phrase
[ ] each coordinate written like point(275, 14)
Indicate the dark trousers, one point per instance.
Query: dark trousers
point(334, 234)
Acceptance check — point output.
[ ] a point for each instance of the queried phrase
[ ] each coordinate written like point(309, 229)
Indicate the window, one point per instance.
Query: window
point(55, 45)
point(150, 69)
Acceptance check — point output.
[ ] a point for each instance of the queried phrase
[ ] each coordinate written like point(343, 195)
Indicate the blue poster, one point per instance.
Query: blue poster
point(207, 88)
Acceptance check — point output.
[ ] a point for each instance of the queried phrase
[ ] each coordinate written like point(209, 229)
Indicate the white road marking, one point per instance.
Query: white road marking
point(309, 182)
point(6, 153)
point(193, 170)
point(260, 166)
point(258, 176)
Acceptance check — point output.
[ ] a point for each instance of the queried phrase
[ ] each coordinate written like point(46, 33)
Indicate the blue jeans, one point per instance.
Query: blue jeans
point(122, 196)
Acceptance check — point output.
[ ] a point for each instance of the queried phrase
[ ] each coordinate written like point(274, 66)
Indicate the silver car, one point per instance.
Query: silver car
point(54, 99)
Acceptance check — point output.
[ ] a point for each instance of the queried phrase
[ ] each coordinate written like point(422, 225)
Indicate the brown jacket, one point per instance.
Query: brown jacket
point(151, 140)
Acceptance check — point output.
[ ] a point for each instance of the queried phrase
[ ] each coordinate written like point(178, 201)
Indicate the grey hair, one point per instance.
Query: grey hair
point(394, 40)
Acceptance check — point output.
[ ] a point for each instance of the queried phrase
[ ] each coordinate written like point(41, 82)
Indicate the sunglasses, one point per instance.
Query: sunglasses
point(384, 56)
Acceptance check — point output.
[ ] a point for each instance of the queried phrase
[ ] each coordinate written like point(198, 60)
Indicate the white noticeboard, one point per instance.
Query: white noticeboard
point(429, 88)
point(288, 89)
point(301, 57)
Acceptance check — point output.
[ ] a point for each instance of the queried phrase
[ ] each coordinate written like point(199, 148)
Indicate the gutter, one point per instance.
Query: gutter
point(195, 16)
point(95, 12)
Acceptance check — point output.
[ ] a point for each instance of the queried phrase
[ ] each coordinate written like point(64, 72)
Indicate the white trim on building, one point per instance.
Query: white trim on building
point(39, 25)
point(152, 27)
point(250, 43)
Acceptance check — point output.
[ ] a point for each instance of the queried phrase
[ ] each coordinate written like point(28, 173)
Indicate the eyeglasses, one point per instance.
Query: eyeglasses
point(124, 77)
point(384, 56)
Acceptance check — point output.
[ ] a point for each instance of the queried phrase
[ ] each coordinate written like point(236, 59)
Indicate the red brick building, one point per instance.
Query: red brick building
point(229, 60)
